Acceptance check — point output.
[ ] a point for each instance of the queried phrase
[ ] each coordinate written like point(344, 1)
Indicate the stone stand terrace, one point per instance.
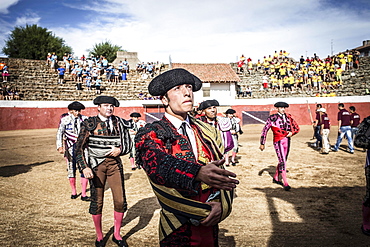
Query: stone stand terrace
point(36, 81)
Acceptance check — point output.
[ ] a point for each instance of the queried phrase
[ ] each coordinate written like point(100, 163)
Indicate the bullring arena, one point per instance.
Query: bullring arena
point(323, 207)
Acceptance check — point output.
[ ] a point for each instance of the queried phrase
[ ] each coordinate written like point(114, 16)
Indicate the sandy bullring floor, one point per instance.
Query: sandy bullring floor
point(322, 209)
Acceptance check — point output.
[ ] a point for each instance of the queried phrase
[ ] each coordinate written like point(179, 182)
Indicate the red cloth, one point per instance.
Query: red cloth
point(279, 134)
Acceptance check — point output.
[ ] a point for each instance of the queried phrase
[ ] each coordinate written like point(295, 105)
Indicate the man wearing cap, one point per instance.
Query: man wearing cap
point(69, 127)
point(223, 124)
point(283, 127)
point(324, 131)
point(235, 130)
point(136, 125)
point(105, 137)
point(182, 157)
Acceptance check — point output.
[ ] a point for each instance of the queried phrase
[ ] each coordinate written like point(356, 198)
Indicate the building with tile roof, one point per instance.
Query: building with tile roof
point(219, 81)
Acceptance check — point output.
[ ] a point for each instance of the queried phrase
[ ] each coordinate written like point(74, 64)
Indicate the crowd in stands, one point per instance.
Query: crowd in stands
point(283, 74)
point(90, 73)
point(8, 92)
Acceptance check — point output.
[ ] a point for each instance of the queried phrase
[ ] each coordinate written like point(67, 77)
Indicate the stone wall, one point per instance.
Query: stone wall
point(38, 82)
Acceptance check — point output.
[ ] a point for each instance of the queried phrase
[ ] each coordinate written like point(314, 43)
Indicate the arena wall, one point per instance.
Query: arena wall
point(18, 115)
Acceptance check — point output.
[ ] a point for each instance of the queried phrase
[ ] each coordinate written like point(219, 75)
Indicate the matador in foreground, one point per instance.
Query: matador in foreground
point(182, 157)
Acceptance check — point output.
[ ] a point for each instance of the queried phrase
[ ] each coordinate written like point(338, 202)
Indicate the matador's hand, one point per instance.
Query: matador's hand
point(214, 216)
point(115, 151)
point(61, 150)
point(217, 177)
point(262, 147)
point(88, 173)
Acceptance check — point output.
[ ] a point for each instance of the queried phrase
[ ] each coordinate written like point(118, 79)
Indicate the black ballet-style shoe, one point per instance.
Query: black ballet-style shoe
point(121, 243)
point(74, 196)
point(366, 232)
point(233, 164)
point(85, 198)
point(99, 243)
point(277, 182)
point(287, 188)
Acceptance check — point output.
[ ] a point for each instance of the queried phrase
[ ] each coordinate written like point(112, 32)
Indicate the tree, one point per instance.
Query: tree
point(34, 42)
point(105, 49)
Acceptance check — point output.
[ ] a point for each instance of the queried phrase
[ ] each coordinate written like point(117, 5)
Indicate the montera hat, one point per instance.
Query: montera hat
point(230, 111)
point(281, 104)
point(76, 106)
point(106, 100)
point(160, 85)
point(135, 114)
point(208, 103)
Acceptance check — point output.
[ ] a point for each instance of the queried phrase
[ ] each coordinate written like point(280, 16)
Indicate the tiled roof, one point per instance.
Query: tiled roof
point(210, 72)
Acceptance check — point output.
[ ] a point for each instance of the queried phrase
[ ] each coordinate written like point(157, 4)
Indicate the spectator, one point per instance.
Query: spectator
point(5, 73)
point(355, 121)
point(61, 70)
point(344, 125)
point(248, 91)
point(98, 85)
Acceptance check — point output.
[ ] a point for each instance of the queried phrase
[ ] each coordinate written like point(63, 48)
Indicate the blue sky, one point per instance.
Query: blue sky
point(197, 31)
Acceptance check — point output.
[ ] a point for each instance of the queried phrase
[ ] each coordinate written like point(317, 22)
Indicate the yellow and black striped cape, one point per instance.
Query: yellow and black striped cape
point(177, 209)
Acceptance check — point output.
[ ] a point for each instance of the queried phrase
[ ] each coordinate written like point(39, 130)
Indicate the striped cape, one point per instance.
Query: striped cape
point(177, 209)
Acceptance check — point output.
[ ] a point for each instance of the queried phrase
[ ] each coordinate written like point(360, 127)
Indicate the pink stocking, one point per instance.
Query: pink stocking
point(276, 176)
point(97, 224)
point(72, 182)
point(233, 156)
point(84, 182)
point(226, 158)
point(132, 161)
point(285, 180)
point(117, 224)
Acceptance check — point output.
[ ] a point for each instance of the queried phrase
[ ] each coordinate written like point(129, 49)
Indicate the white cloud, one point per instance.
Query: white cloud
point(28, 18)
point(216, 30)
point(5, 4)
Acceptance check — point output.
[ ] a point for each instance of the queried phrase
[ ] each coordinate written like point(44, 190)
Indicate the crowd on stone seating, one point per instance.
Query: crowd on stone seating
point(281, 73)
point(93, 73)
point(8, 92)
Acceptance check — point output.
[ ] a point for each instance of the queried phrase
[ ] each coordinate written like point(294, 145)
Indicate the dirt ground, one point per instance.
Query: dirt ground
point(322, 209)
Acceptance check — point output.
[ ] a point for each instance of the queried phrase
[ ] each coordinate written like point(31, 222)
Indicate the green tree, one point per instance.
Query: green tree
point(34, 42)
point(106, 49)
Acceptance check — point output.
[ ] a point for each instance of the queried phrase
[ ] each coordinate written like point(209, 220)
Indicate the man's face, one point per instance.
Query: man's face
point(211, 112)
point(281, 110)
point(135, 119)
point(75, 113)
point(106, 110)
point(179, 100)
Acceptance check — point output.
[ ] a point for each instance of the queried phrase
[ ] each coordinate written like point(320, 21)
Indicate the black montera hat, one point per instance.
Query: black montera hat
point(171, 78)
point(281, 104)
point(106, 99)
point(76, 106)
point(208, 103)
point(135, 114)
point(230, 111)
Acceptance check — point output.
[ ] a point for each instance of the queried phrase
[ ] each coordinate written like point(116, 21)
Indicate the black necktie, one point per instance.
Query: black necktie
point(76, 125)
point(108, 127)
point(184, 132)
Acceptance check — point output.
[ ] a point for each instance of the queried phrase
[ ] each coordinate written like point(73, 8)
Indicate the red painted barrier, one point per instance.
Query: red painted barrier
point(17, 118)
